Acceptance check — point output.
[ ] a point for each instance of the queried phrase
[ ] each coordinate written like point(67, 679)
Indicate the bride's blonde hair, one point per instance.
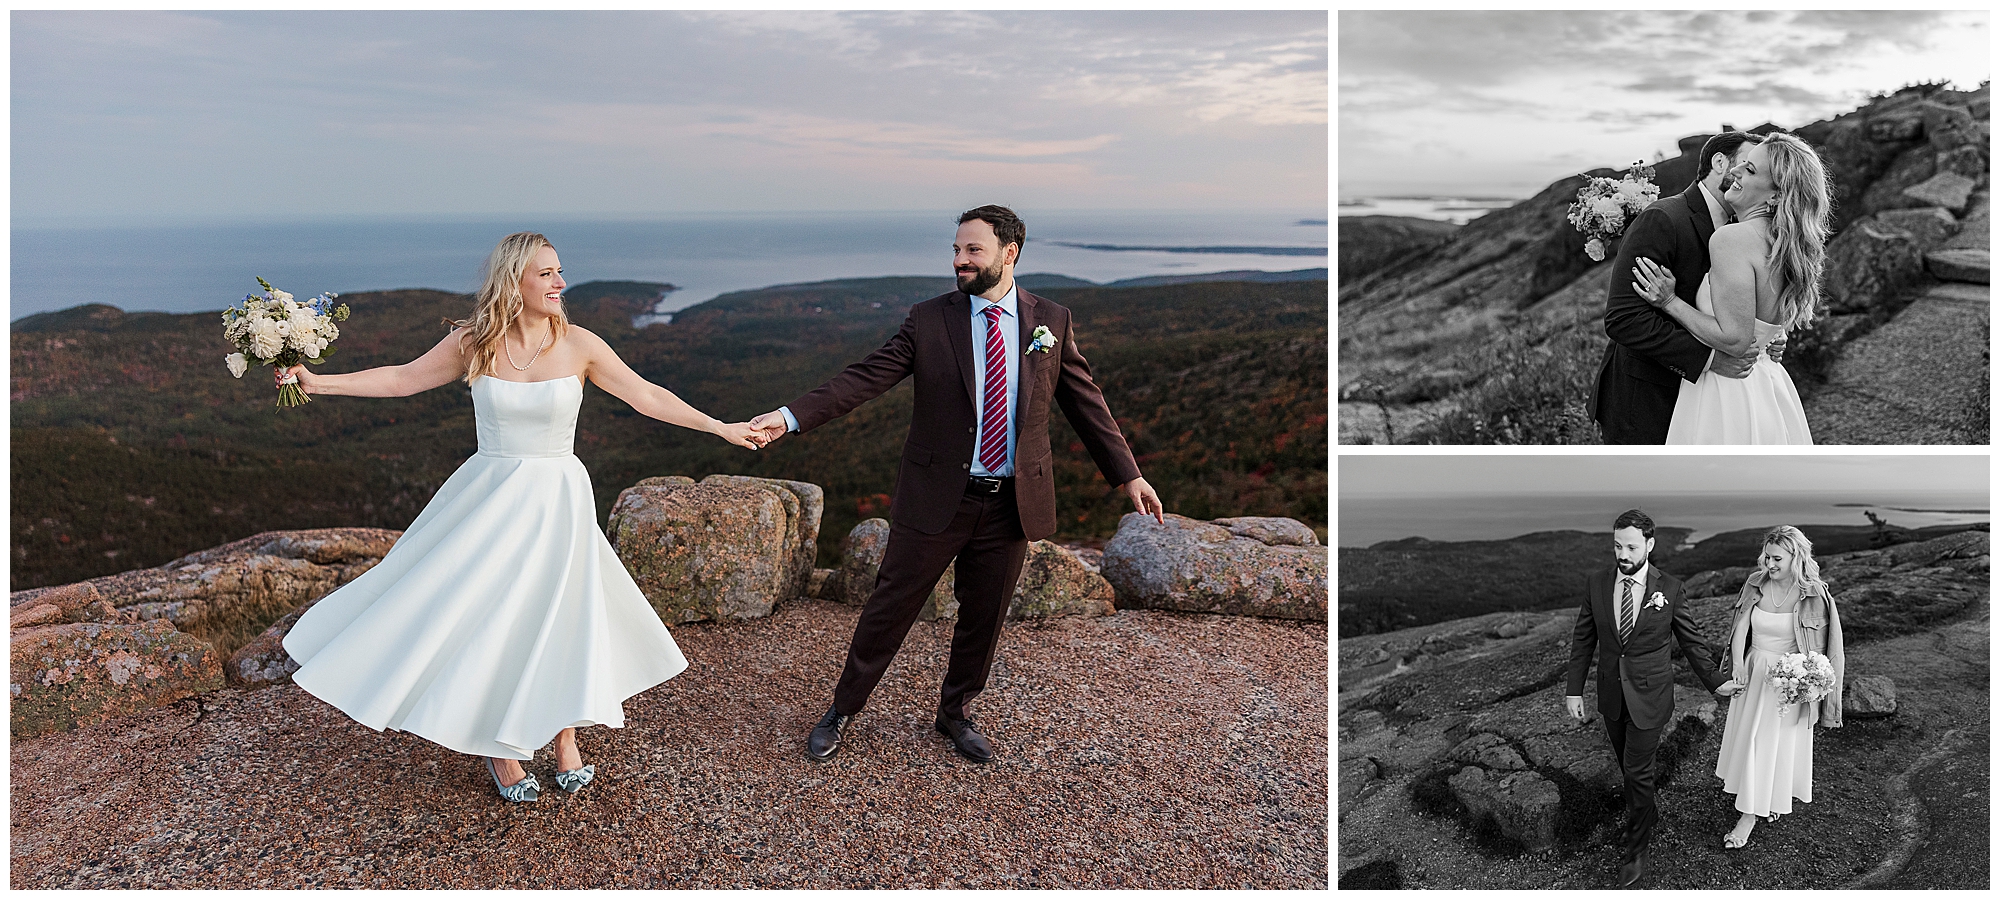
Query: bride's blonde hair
point(1801, 212)
point(1805, 569)
point(499, 302)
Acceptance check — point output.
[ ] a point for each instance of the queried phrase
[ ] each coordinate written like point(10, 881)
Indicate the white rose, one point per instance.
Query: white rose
point(283, 297)
point(1594, 249)
point(1608, 208)
point(237, 364)
point(327, 331)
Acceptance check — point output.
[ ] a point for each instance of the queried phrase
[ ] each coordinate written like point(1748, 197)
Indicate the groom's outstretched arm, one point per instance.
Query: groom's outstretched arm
point(1636, 324)
point(857, 384)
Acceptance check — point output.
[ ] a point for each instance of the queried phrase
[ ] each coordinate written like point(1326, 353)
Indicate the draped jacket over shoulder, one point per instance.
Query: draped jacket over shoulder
point(1816, 628)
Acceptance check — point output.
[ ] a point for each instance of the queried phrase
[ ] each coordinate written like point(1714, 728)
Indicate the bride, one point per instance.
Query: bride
point(501, 618)
point(1763, 281)
point(1767, 749)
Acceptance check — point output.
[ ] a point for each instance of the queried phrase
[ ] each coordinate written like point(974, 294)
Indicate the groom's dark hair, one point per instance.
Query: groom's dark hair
point(1007, 227)
point(1724, 143)
point(1633, 518)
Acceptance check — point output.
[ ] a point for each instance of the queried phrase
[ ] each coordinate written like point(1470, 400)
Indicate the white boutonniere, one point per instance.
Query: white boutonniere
point(1041, 340)
point(1657, 601)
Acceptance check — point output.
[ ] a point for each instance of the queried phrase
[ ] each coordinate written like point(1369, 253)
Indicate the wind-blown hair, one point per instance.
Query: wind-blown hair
point(1800, 215)
point(1805, 569)
point(499, 302)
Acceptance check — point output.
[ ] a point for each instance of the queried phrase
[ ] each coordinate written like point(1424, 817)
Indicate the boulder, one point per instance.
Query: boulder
point(861, 560)
point(1868, 265)
point(818, 587)
point(64, 676)
point(1948, 127)
point(804, 503)
point(1969, 161)
point(1969, 266)
point(1055, 583)
point(1272, 530)
point(1195, 566)
point(61, 604)
point(263, 661)
point(1947, 189)
point(1488, 751)
point(1928, 226)
point(1868, 697)
point(713, 551)
point(1521, 805)
point(1357, 776)
point(1913, 167)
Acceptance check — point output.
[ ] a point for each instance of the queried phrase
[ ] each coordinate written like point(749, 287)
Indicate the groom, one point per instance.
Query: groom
point(976, 482)
point(1631, 619)
point(1650, 353)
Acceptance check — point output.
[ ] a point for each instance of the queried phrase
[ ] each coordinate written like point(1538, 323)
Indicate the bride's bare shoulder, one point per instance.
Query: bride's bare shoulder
point(1740, 238)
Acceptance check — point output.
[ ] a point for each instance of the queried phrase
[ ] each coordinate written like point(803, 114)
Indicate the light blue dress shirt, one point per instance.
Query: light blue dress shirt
point(1010, 334)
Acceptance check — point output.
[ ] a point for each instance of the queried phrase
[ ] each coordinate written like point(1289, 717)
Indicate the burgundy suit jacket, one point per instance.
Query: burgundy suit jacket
point(1640, 672)
point(934, 347)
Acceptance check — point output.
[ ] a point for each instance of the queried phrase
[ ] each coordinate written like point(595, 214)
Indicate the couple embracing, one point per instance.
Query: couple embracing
point(1632, 617)
point(502, 620)
point(1706, 285)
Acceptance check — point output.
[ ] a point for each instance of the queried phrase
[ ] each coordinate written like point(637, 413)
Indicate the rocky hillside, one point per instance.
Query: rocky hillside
point(1495, 335)
point(1400, 584)
point(1458, 769)
point(1368, 243)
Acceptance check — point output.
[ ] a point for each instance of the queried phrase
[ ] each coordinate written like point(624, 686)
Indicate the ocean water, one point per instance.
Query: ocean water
point(1459, 210)
point(194, 267)
point(1371, 519)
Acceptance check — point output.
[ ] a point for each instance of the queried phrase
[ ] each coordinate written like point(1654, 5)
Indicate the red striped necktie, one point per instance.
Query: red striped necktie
point(993, 407)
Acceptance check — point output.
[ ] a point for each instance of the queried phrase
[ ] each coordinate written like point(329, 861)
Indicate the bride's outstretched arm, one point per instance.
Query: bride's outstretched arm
point(436, 368)
point(1732, 288)
point(609, 372)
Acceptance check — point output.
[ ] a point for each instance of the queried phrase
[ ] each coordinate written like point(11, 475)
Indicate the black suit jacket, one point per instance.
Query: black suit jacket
point(934, 347)
point(1650, 353)
point(1638, 673)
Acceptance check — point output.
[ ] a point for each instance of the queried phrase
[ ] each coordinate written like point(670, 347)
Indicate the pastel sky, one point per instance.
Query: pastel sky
point(1447, 475)
point(180, 114)
point(1501, 104)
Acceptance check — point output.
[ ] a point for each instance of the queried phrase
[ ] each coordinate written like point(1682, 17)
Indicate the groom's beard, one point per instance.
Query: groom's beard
point(1631, 568)
point(979, 281)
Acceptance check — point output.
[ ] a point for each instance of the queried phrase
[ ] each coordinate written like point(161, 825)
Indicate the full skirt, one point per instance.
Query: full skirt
point(501, 617)
point(1766, 755)
point(1760, 408)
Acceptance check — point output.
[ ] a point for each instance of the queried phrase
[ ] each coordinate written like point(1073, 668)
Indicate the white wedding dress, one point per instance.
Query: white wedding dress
point(502, 616)
point(1762, 408)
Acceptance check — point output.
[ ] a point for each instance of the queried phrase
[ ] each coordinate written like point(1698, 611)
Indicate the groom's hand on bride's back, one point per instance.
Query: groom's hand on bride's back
point(1731, 366)
point(1776, 348)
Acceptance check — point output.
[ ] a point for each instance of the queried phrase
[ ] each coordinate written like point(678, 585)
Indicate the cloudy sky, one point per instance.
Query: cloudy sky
point(1448, 475)
point(1502, 103)
point(167, 114)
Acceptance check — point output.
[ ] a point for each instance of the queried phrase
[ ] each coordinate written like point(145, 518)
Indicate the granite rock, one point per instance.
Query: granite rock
point(1195, 566)
point(1522, 805)
point(63, 676)
point(804, 504)
point(1054, 582)
point(1868, 697)
point(714, 551)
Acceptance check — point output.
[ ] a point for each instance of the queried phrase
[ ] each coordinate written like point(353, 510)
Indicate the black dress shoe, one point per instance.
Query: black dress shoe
point(970, 744)
point(1633, 870)
point(825, 737)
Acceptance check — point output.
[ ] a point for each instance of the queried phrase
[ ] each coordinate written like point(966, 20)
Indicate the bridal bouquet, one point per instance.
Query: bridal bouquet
point(272, 329)
point(1603, 206)
point(1801, 678)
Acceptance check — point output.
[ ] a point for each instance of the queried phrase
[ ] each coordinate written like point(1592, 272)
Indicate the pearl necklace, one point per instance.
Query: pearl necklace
point(538, 351)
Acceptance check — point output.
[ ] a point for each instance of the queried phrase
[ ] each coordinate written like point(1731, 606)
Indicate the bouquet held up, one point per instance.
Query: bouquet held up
point(1801, 678)
point(272, 329)
point(1604, 206)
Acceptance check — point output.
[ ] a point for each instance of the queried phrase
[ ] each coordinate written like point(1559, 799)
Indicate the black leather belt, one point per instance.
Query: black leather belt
point(988, 485)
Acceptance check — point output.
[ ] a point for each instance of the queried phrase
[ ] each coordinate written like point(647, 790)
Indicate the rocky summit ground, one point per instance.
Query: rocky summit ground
point(1139, 750)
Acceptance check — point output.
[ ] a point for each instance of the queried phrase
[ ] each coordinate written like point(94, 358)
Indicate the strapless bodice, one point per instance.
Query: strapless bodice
point(526, 418)
point(1772, 632)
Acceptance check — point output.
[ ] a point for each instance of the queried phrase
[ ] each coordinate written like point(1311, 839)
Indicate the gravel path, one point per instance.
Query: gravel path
point(1145, 749)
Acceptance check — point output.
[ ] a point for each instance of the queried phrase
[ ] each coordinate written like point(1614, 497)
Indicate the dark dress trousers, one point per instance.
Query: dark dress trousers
point(1635, 680)
point(934, 519)
point(1650, 353)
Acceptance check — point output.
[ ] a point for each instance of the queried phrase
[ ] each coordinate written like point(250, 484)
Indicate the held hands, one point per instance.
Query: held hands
point(1654, 283)
point(771, 425)
point(1729, 688)
point(1145, 500)
point(742, 434)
